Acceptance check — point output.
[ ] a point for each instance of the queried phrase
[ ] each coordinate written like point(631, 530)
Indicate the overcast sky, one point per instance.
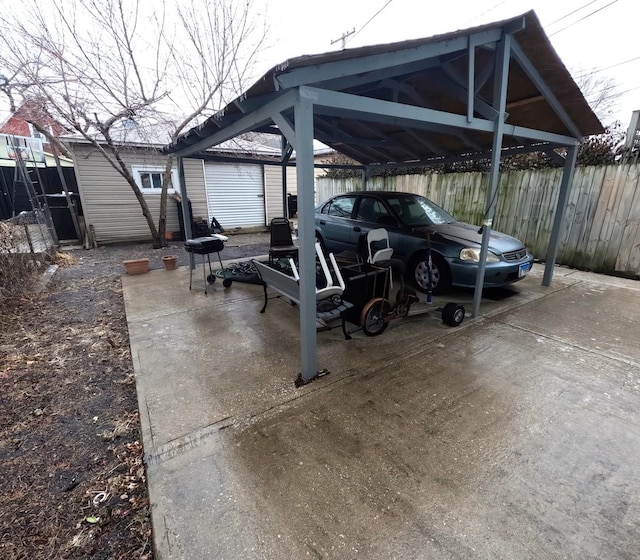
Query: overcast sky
point(605, 36)
point(588, 35)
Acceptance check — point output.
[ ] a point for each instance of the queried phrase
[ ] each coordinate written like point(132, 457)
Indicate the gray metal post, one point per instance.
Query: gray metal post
point(561, 206)
point(471, 81)
point(186, 217)
point(283, 160)
point(306, 237)
point(503, 53)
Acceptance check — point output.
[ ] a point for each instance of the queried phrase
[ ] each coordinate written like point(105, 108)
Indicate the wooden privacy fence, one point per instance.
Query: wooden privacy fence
point(601, 230)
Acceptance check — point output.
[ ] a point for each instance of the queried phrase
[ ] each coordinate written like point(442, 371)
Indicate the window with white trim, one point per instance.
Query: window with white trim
point(149, 178)
point(35, 133)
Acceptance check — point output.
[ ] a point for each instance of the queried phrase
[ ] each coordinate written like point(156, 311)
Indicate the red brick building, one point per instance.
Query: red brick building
point(19, 124)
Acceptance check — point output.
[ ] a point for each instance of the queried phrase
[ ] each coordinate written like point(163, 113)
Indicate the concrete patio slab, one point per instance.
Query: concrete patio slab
point(515, 435)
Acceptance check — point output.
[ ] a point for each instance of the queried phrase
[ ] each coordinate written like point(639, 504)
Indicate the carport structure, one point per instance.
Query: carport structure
point(480, 93)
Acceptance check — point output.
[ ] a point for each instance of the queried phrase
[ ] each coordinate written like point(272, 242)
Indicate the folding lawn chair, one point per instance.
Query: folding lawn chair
point(281, 244)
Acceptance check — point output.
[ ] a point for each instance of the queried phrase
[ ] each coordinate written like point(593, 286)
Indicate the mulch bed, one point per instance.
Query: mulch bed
point(73, 483)
point(73, 480)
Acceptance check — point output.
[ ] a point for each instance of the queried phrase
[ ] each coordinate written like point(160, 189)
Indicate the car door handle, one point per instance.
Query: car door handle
point(356, 228)
point(322, 222)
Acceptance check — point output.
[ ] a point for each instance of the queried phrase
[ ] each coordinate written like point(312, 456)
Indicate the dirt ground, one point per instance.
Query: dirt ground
point(73, 480)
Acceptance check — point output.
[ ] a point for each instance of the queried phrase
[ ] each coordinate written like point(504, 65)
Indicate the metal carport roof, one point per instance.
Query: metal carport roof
point(477, 93)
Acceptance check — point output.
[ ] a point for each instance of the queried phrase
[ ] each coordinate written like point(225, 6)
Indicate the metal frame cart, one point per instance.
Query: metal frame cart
point(367, 287)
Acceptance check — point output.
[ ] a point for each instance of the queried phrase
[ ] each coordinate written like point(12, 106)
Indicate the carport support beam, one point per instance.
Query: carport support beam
point(561, 207)
point(286, 151)
point(503, 53)
point(303, 110)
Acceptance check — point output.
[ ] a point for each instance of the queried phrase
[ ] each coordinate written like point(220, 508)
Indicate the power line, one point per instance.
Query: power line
point(372, 18)
point(590, 72)
point(571, 13)
point(491, 9)
point(620, 93)
point(583, 18)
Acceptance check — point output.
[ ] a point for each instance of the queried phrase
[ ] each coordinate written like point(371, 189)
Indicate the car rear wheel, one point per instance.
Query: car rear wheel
point(440, 274)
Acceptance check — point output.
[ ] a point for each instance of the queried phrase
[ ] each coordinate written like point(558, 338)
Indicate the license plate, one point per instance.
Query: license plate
point(524, 269)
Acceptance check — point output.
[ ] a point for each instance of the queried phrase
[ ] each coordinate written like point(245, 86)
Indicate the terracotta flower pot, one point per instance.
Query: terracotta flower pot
point(136, 266)
point(170, 262)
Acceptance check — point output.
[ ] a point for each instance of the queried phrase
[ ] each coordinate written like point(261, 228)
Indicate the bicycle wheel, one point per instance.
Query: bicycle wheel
point(405, 298)
point(373, 318)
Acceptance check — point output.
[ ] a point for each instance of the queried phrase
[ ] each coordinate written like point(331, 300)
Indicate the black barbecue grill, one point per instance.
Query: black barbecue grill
point(205, 246)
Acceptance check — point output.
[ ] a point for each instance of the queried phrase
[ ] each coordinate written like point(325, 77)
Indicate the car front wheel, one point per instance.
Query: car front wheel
point(440, 274)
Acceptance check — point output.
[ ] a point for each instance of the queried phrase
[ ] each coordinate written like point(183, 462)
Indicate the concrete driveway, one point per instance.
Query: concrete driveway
point(515, 436)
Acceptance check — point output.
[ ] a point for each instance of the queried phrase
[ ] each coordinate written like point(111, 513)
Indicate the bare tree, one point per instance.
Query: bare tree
point(601, 91)
point(118, 70)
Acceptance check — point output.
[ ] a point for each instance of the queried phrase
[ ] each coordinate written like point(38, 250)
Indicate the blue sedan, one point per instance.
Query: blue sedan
point(410, 220)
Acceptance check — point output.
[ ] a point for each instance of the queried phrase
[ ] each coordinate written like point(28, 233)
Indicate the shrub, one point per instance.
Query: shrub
point(19, 267)
point(603, 149)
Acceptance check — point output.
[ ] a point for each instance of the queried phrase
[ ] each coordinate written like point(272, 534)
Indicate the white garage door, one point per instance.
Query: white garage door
point(235, 194)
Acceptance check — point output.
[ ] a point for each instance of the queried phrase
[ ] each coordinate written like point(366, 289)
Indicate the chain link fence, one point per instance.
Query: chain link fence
point(26, 246)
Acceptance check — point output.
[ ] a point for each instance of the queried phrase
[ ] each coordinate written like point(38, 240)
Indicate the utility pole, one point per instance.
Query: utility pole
point(632, 142)
point(343, 37)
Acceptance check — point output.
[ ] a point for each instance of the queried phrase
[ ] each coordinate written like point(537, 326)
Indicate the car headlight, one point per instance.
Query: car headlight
point(472, 254)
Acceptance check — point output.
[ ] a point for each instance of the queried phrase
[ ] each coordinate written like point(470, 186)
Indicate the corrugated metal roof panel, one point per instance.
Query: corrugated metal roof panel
point(430, 87)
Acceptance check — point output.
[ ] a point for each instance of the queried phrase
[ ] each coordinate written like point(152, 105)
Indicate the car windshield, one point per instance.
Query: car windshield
point(419, 211)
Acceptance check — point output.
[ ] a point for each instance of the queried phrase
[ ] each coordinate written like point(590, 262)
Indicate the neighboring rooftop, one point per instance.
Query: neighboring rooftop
point(253, 144)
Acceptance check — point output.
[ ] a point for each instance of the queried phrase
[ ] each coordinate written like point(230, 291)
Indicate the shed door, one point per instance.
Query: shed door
point(235, 194)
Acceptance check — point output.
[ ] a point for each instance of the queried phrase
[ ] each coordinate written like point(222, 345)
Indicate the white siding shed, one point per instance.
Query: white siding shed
point(109, 204)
